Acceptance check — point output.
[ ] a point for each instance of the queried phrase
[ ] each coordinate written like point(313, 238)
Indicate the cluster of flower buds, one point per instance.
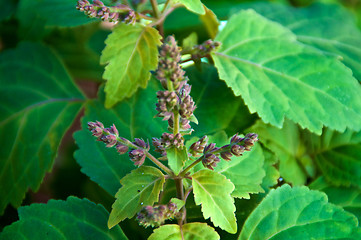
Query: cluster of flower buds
point(168, 140)
point(112, 14)
point(155, 216)
point(204, 49)
point(110, 136)
point(211, 153)
point(169, 65)
point(171, 76)
point(167, 100)
point(138, 155)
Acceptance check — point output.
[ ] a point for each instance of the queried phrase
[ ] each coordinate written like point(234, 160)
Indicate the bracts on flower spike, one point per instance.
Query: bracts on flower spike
point(155, 216)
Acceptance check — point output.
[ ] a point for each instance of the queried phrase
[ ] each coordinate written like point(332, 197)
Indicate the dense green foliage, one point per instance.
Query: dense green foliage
point(289, 71)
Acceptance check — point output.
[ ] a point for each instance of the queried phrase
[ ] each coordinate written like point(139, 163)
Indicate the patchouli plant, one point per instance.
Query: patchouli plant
point(192, 120)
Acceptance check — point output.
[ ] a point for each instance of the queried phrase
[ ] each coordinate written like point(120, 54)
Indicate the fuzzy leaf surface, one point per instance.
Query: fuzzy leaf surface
point(328, 27)
point(38, 103)
point(189, 231)
point(213, 191)
point(139, 188)
point(288, 147)
point(104, 165)
point(279, 77)
point(349, 198)
point(338, 155)
point(245, 172)
point(195, 6)
point(130, 54)
point(177, 158)
point(71, 219)
point(299, 213)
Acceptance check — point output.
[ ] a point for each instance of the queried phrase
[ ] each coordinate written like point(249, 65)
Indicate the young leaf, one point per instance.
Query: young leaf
point(104, 165)
point(130, 54)
point(139, 188)
point(38, 103)
point(195, 6)
point(279, 77)
point(189, 231)
point(338, 155)
point(288, 147)
point(349, 198)
point(245, 172)
point(71, 219)
point(299, 213)
point(213, 191)
point(178, 202)
point(177, 158)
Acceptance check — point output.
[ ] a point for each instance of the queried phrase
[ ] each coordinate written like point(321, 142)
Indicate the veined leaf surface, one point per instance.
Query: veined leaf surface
point(278, 77)
point(130, 54)
point(71, 219)
point(189, 231)
point(39, 101)
point(139, 188)
point(176, 158)
point(195, 6)
point(299, 213)
point(213, 190)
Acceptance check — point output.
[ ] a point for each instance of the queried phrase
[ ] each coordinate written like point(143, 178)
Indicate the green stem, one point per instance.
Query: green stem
point(180, 195)
point(176, 122)
point(155, 8)
point(165, 6)
point(184, 172)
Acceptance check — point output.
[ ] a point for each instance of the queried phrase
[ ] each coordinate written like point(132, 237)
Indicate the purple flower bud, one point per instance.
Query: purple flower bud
point(140, 143)
point(226, 156)
point(237, 150)
point(236, 138)
point(121, 148)
point(98, 3)
point(210, 161)
point(109, 140)
point(210, 147)
point(137, 156)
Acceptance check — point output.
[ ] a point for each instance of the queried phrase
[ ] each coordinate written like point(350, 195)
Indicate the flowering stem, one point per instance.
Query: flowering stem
point(176, 123)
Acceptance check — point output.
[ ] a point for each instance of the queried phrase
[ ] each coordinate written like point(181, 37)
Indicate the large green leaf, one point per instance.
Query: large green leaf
point(278, 77)
point(288, 147)
point(298, 213)
point(39, 101)
point(133, 119)
point(193, 5)
point(349, 198)
point(189, 231)
point(139, 188)
point(272, 173)
point(338, 155)
point(60, 13)
point(130, 54)
point(245, 172)
point(213, 190)
point(176, 158)
point(329, 28)
point(211, 96)
point(71, 219)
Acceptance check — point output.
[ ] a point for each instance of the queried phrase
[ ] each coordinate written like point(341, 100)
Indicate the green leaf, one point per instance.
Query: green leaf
point(195, 6)
point(245, 172)
point(272, 173)
point(299, 213)
point(211, 95)
point(213, 190)
point(349, 198)
point(139, 188)
point(288, 147)
point(211, 22)
point(338, 155)
point(279, 77)
point(104, 165)
point(130, 54)
point(38, 102)
point(329, 28)
point(189, 231)
point(177, 158)
point(71, 219)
